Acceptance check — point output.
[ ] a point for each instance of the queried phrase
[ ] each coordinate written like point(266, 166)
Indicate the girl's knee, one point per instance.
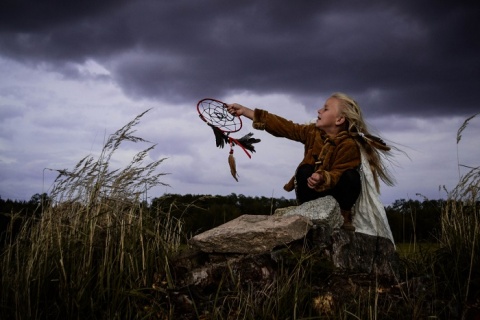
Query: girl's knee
point(304, 171)
point(351, 175)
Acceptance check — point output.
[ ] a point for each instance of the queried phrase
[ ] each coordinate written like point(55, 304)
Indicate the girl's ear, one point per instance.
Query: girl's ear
point(340, 121)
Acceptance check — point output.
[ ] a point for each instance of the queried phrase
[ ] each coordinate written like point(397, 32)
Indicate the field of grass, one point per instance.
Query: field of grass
point(98, 252)
point(410, 250)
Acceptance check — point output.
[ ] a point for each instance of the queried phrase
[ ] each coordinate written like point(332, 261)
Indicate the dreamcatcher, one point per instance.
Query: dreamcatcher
point(216, 115)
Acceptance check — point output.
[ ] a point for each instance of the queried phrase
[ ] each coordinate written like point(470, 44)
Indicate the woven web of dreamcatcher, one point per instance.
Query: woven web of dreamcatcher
point(216, 113)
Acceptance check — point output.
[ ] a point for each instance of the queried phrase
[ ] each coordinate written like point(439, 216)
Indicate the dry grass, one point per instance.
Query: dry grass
point(95, 251)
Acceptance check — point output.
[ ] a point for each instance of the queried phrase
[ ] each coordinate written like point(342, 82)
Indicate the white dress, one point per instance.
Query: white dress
point(370, 216)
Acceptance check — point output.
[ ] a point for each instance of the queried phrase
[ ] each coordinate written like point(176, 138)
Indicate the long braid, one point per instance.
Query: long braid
point(375, 148)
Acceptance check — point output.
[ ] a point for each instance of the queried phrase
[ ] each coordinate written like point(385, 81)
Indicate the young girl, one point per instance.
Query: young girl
point(334, 145)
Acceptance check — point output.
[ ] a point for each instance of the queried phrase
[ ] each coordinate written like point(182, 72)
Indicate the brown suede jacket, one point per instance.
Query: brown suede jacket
point(331, 156)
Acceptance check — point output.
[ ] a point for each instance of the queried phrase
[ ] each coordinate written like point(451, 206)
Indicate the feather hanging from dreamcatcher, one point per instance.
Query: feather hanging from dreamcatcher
point(216, 115)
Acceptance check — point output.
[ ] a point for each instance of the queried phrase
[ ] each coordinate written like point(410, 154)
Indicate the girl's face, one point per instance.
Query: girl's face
point(329, 117)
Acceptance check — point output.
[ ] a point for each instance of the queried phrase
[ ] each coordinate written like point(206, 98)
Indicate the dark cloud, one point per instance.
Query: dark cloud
point(411, 57)
point(38, 16)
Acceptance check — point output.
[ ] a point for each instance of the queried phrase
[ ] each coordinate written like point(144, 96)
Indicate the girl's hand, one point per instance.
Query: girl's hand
point(239, 110)
point(235, 109)
point(314, 180)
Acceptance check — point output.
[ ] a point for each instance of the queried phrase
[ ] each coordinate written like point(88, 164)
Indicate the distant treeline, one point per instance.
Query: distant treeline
point(409, 219)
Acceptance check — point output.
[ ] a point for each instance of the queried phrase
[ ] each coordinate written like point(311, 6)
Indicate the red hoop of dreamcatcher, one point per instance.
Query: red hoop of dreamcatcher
point(215, 113)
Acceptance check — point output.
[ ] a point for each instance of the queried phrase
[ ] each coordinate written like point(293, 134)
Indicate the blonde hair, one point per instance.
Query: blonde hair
point(375, 148)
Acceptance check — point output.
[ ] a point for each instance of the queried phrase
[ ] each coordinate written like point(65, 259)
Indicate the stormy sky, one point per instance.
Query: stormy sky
point(72, 73)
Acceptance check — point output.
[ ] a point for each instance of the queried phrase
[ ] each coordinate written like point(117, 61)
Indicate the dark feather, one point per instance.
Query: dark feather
point(220, 138)
point(247, 141)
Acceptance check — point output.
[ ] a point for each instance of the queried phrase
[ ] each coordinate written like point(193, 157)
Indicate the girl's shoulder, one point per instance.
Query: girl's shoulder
point(344, 137)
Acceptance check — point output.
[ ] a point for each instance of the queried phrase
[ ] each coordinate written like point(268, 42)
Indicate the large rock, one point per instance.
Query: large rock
point(252, 234)
point(316, 222)
point(267, 235)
